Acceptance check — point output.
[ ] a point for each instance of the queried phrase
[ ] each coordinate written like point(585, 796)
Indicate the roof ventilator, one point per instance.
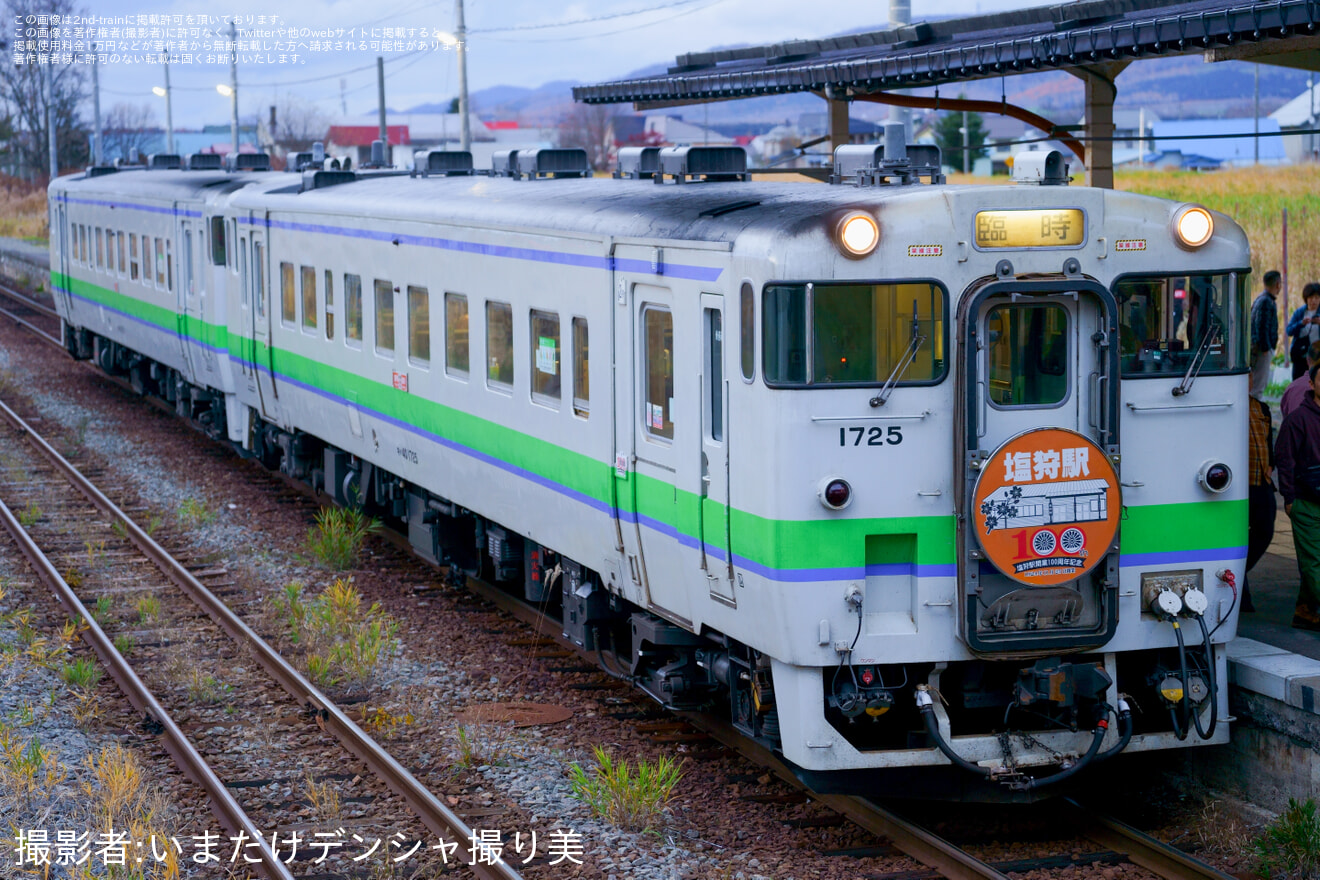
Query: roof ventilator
point(445, 163)
point(638, 163)
point(315, 178)
point(164, 160)
point(553, 162)
point(702, 163)
point(247, 162)
point(205, 162)
point(504, 163)
point(1040, 168)
point(894, 161)
point(101, 170)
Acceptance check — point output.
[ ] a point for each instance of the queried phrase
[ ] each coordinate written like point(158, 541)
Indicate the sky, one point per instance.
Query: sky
point(511, 42)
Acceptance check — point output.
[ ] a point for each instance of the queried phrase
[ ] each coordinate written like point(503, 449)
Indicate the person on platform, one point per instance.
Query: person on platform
point(1304, 328)
point(1296, 392)
point(1297, 454)
point(1261, 506)
point(1264, 332)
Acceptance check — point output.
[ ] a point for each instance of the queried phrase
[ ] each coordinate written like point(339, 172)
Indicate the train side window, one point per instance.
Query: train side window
point(1027, 355)
point(658, 354)
point(233, 236)
point(747, 329)
point(187, 261)
point(288, 297)
point(384, 316)
point(329, 304)
point(160, 262)
point(147, 272)
point(545, 356)
point(119, 238)
point(419, 325)
point(243, 280)
point(132, 256)
point(846, 333)
point(309, 297)
point(1164, 321)
point(258, 279)
point(110, 251)
point(715, 393)
point(353, 310)
point(73, 242)
point(581, 375)
point(218, 250)
point(499, 344)
point(100, 251)
point(169, 264)
point(456, 334)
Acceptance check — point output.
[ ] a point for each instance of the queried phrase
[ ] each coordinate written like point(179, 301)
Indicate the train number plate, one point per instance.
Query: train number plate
point(1030, 228)
point(870, 435)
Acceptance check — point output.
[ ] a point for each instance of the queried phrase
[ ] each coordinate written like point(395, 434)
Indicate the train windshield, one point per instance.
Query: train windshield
point(853, 334)
point(1165, 319)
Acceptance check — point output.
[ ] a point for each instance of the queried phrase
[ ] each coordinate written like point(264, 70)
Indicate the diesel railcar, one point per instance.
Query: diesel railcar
point(898, 474)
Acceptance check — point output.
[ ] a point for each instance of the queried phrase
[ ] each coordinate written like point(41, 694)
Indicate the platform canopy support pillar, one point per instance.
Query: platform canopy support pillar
point(1100, 94)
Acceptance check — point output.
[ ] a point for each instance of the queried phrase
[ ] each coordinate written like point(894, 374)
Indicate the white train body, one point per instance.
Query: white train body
point(677, 499)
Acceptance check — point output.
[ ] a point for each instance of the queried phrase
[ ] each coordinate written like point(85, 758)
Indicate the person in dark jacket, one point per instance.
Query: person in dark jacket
point(1297, 454)
point(1264, 332)
point(1261, 506)
point(1304, 329)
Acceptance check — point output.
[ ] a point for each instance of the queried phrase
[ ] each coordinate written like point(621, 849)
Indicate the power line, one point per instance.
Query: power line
point(558, 24)
point(593, 36)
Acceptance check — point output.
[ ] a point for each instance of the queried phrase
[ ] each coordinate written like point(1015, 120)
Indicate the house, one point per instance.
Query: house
point(355, 140)
point(1047, 504)
point(1205, 138)
point(1302, 112)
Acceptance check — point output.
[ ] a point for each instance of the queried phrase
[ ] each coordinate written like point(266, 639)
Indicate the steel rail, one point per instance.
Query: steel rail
point(924, 846)
point(29, 302)
point(434, 814)
point(1154, 855)
point(227, 810)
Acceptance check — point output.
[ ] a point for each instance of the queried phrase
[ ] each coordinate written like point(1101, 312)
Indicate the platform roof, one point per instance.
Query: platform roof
point(1069, 36)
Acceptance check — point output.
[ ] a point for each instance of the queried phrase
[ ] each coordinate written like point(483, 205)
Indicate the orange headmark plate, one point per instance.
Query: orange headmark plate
point(1046, 507)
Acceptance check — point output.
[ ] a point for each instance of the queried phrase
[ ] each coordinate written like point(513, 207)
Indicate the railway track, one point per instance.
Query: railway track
point(941, 857)
point(28, 313)
point(1122, 842)
point(74, 519)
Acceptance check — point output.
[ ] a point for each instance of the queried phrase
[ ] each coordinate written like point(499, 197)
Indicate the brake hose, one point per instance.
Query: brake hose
point(1214, 690)
point(1180, 726)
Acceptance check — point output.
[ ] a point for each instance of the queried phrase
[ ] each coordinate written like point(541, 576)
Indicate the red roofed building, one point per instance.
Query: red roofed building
point(356, 140)
point(501, 124)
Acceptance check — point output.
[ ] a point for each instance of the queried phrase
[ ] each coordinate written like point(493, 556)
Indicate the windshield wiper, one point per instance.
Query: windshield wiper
point(904, 362)
point(1198, 360)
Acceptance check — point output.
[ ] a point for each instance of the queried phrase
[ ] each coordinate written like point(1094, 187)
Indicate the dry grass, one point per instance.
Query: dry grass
point(22, 209)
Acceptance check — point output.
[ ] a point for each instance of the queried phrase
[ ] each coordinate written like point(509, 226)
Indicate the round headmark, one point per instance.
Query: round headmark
point(1046, 507)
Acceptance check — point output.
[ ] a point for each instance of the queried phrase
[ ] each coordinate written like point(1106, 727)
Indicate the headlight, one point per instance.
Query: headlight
point(1193, 225)
point(1215, 476)
point(858, 234)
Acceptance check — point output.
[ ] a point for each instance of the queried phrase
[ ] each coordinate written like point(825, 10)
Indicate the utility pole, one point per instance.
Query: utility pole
point(461, 34)
point(900, 13)
point(380, 94)
point(1256, 115)
point(233, 87)
point(967, 145)
point(97, 157)
point(169, 111)
point(52, 141)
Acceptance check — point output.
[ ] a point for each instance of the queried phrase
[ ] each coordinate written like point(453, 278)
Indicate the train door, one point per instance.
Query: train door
point(263, 355)
point(246, 308)
point(713, 516)
point(183, 234)
point(189, 298)
point(656, 417)
point(60, 289)
point(1040, 495)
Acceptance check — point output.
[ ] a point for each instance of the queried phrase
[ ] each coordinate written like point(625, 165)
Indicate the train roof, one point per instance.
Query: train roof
point(166, 185)
point(708, 211)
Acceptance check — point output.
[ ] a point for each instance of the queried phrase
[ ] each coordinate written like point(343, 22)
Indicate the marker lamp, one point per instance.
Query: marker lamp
point(1193, 226)
point(858, 234)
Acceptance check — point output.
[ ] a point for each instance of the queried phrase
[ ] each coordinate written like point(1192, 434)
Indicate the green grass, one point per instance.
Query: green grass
point(336, 540)
point(148, 608)
point(1290, 846)
point(633, 800)
point(193, 514)
point(342, 641)
point(124, 644)
point(28, 516)
point(82, 674)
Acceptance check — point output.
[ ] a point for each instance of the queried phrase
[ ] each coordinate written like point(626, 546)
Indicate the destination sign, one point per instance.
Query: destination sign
point(1030, 228)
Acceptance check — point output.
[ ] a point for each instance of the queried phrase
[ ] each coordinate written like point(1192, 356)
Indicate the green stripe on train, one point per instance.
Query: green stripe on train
point(776, 544)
